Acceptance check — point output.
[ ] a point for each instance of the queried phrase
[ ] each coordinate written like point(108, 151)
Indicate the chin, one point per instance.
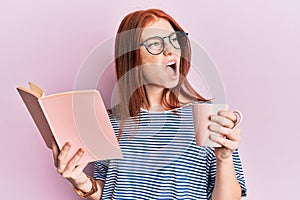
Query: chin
point(171, 84)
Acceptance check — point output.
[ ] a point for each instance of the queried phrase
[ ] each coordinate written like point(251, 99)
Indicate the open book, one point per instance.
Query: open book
point(78, 117)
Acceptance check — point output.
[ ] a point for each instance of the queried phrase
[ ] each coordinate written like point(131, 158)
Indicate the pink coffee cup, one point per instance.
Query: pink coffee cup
point(201, 114)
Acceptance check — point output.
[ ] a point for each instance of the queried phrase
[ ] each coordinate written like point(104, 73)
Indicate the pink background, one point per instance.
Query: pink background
point(255, 45)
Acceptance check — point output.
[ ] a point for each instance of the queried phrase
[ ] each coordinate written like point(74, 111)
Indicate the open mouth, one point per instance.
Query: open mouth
point(172, 65)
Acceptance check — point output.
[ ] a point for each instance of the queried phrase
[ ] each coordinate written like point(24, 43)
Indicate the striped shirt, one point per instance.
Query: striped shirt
point(161, 160)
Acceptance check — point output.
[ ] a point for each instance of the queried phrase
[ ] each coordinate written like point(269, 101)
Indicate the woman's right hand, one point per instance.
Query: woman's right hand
point(70, 169)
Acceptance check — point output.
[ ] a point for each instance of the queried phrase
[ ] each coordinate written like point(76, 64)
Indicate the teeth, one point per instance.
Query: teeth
point(171, 63)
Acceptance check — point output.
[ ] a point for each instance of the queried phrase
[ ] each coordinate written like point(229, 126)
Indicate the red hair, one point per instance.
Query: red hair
point(132, 93)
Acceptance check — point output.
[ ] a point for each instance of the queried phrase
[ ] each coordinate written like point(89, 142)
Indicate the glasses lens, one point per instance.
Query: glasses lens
point(178, 40)
point(155, 45)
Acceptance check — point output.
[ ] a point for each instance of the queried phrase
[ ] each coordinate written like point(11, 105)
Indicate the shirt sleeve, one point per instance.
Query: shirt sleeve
point(239, 172)
point(237, 167)
point(100, 169)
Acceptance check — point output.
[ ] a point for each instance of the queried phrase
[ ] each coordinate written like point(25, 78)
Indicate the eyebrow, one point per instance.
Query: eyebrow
point(158, 36)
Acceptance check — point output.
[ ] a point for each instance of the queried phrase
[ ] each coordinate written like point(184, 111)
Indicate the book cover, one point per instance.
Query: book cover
point(78, 117)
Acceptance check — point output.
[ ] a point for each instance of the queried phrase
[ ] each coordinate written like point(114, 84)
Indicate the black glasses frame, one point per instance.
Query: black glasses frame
point(163, 42)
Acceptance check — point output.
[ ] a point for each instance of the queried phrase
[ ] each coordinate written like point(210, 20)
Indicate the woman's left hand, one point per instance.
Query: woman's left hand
point(225, 126)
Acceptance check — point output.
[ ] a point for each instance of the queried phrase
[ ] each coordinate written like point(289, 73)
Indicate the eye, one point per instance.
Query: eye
point(154, 44)
point(174, 40)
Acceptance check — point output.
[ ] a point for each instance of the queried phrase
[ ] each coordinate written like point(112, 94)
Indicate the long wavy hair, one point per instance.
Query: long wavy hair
point(132, 93)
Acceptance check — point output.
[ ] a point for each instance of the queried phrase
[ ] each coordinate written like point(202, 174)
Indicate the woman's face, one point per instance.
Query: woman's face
point(160, 70)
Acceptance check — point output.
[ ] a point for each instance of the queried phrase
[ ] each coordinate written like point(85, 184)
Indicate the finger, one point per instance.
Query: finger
point(229, 115)
point(55, 151)
point(79, 169)
point(72, 164)
point(221, 120)
point(228, 144)
point(61, 158)
point(232, 134)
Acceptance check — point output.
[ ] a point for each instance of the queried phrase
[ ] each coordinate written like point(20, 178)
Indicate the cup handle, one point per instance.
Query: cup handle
point(239, 117)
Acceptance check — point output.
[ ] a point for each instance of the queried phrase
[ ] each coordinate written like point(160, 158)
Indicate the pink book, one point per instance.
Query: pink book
point(78, 117)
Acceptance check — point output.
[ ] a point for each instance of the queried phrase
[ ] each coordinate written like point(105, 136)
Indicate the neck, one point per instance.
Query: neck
point(154, 94)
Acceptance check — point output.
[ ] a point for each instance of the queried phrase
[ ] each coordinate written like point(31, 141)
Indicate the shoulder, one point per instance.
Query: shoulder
point(114, 111)
point(187, 100)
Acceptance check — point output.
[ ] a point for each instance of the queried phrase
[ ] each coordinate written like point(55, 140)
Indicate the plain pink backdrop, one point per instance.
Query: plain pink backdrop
point(255, 45)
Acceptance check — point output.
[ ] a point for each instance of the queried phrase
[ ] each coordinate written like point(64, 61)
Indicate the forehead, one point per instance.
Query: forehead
point(159, 28)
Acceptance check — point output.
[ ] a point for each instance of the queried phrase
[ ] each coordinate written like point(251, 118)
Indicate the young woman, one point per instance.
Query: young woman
point(154, 125)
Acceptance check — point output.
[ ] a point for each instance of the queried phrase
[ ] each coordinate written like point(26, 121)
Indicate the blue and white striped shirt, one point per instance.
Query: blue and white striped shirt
point(161, 160)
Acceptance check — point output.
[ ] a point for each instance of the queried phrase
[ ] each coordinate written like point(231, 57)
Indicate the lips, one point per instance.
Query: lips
point(171, 69)
point(172, 64)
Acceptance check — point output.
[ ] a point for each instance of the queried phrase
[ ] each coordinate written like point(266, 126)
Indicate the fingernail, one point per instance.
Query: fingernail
point(81, 151)
point(213, 137)
point(213, 127)
point(67, 146)
point(222, 112)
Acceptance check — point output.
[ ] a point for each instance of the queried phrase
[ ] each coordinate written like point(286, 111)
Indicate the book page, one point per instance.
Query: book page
point(80, 118)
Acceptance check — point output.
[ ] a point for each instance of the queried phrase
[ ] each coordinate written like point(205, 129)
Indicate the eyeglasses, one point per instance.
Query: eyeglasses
point(156, 45)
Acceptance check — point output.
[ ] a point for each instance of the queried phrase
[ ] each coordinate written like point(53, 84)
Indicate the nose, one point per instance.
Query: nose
point(168, 47)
